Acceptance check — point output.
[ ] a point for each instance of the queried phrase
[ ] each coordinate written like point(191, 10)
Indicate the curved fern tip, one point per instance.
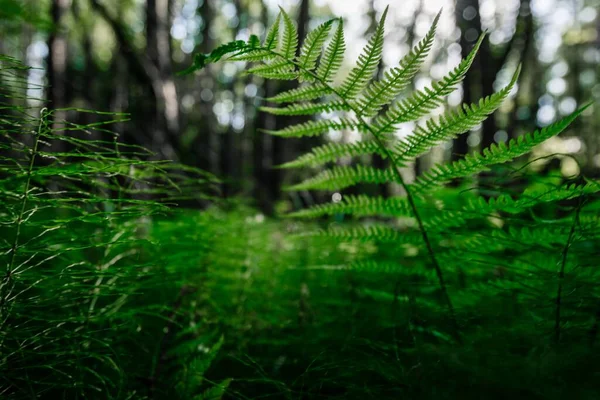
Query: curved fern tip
point(515, 76)
point(384, 15)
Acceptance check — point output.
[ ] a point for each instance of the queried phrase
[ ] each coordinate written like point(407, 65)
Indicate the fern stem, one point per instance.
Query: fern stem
point(561, 272)
point(409, 196)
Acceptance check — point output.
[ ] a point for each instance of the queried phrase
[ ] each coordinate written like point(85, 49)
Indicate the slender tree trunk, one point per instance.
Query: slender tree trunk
point(470, 29)
point(525, 29)
point(206, 140)
point(57, 63)
point(230, 147)
point(261, 155)
point(85, 87)
point(164, 123)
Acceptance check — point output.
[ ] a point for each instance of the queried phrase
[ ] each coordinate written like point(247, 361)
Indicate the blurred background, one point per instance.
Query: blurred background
point(123, 56)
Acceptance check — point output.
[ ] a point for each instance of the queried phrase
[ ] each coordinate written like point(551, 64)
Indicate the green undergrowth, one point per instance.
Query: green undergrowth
point(310, 317)
point(91, 306)
point(476, 279)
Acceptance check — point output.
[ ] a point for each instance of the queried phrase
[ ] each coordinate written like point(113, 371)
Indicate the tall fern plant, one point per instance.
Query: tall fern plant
point(376, 108)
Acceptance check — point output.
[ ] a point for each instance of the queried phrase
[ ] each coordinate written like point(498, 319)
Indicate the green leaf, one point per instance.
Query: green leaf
point(312, 46)
point(495, 154)
point(424, 101)
point(450, 124)
point(289, 46)
point(330, 152)
point(338, 178)
point(334, 55)
point(307, 108)
point(304, 93)
point(216, 392)
point(272, 37)
point(367, 63)
point(315, 128)
point(380, 93)
point(202, 60)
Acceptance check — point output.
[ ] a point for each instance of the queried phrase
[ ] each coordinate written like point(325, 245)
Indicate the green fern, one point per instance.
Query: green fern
point(495, 154)
point(375, 108)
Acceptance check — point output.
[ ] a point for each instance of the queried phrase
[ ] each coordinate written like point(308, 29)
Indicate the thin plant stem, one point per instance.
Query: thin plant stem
point(25, 197)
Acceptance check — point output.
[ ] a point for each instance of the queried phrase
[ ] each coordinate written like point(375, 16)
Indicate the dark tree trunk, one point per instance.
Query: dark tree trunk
point(57, 63)
point(525, 29)
point(229, 147)
point(205, 147)
point(261, 154)
point(164, 122)
point(470, 29)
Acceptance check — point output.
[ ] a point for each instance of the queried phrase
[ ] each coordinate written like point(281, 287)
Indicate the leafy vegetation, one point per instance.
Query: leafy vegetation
point(478, 280)
point(91, 305)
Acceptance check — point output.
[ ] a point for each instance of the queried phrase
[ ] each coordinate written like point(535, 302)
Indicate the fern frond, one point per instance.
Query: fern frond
point(338, 178)
point(311, 48)
point(308, 108)
point(495, 154)
point(390, 267)
point(332, 58)
point(515, 238)
point(358, 205)
point(289, 45)
point(435, 219)
point(380, 93)
point(278, 69)
point(377, 233)
point(367, 63)
point(258, 55)
point(451, 124)
point(272, 38)
point(304, 93)
point(316, 128)
point(423, 101)
point(530, 199)
point(237, 47)
point(333, 151)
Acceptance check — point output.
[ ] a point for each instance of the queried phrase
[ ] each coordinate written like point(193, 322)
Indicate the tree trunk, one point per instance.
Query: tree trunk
point(206, 140)
point(470, 29)
point(164, 123)
point(57, 63)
